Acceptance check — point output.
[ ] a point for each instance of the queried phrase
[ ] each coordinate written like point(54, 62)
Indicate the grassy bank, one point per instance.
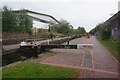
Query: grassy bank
point(36, 70)
point(112, 46)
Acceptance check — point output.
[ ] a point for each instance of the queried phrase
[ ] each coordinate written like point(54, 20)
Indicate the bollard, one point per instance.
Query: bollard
point(68, 42)
point(35, 54)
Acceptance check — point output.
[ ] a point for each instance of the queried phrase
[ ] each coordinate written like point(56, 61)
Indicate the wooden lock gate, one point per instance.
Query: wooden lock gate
point(29, 51)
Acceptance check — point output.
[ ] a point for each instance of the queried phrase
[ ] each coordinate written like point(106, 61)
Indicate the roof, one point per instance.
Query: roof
point(113, 17)
point(29, 11)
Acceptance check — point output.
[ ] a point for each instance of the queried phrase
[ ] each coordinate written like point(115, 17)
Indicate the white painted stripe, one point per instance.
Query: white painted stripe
point(79, 46)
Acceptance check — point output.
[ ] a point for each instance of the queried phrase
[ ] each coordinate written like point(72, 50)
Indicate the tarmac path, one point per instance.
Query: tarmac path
point(93, 63)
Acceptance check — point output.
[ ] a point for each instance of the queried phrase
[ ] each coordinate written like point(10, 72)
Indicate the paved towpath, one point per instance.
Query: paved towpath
point(93, 63)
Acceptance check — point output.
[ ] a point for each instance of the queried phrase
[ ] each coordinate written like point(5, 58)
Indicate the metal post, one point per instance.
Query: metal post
point(48, 42)
point(68, 42)
point(49, 35)
point(35, 51)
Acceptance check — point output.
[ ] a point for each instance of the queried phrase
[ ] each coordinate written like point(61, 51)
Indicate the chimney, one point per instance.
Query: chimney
point(119, 6)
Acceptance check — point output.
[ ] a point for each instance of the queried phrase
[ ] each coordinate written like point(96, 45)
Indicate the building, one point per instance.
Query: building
point(39, 17)
point(35, 31)
point(114, 23)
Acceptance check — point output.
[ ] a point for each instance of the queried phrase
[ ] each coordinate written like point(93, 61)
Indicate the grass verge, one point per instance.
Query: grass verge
point(112, 46)
point(36, 70)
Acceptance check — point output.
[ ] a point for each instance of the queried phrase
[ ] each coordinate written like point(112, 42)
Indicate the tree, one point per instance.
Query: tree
point(81, 30)
point(76, 32)
point(8, 20)
point(92, 31)
point(52, 27)
point(24, 22)
point(13, 22)
point(103, 30)
point(63, 27)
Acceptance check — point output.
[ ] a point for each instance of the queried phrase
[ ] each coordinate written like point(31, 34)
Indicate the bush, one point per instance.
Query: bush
point(103, 30)
point(13, 22)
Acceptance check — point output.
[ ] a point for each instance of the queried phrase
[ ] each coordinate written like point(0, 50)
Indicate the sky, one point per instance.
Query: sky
point(83, 13)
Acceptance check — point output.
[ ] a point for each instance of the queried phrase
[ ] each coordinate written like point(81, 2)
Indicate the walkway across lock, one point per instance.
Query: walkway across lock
point(32, 50)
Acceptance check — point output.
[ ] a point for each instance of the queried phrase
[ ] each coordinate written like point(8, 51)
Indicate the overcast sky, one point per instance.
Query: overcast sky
point(86, 13)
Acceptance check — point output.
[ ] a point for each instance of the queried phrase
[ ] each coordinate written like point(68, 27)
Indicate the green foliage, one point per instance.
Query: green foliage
point(92, 31)
point(66, 29)
point(112, 46)
point(8, 20)
point(57, 34)
point(37, 70)
point(103, 30)
point(46, 34)
point(24, 22)
point(79, 31)
point(53, 27)
point(76, 32)
point(16, 22)
point(63, 28)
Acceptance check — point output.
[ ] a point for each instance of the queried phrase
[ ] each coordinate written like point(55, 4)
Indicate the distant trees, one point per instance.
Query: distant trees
point(92, 31)
point(24, 22)
point(79, 31)
point(15, 22)
point(103, 30)
point(65, 28)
